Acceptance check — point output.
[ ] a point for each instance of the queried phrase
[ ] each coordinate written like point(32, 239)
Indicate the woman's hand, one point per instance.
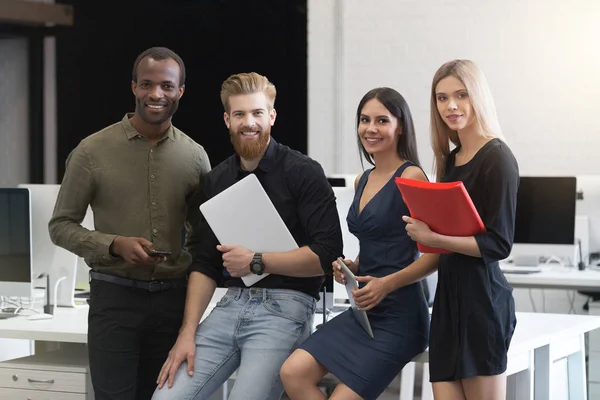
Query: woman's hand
point(419, 231)
point(338, 274)
point(372, 293)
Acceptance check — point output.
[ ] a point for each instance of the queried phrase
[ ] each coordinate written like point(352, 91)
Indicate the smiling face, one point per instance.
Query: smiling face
point(249, 121)
point(378, 128)
point(453, 103)
point(157, 91)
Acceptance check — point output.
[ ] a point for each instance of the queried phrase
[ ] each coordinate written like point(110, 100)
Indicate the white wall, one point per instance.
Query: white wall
point(540, 57)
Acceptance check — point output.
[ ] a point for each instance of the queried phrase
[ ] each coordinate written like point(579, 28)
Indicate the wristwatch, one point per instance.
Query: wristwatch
point(256, 265)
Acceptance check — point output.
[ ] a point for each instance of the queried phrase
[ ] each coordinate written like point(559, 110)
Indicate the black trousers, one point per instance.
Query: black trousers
point(130, 333)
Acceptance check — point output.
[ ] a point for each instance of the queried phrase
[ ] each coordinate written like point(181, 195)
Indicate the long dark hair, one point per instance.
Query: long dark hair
point(395, 104)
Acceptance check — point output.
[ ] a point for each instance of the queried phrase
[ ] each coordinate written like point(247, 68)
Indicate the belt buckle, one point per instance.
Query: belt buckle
point(154, 286)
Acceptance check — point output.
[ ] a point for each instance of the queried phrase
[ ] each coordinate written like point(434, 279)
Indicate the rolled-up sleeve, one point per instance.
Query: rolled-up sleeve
point(202, 244)
point(317, 212)
point(194, 215)
point(501, 185)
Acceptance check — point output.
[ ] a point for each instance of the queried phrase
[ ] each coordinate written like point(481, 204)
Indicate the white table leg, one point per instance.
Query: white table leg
point(426, 388)
point(519, 386)
point(576, 372)
point(407, 382)
point(541, 373)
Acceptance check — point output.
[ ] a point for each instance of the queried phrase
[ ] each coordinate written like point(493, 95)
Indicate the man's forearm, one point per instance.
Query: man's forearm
point(199, 292)
point(302, 263)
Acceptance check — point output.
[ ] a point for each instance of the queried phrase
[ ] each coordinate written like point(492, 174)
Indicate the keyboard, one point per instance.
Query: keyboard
point(517, 272)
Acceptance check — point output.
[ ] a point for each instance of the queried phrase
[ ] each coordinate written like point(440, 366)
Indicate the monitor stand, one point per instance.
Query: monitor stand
point(64, 268)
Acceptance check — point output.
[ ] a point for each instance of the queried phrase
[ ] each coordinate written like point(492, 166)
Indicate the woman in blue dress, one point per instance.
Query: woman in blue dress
point(399, 318)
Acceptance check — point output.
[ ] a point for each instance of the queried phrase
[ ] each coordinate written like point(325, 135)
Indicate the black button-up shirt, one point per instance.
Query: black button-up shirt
point(300, 192)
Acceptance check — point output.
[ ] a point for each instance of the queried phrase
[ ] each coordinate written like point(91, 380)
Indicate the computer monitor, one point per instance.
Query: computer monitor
point(545, 220)
point(15, 243)
point(343, 188)
point(43, 198)
point(49, 259)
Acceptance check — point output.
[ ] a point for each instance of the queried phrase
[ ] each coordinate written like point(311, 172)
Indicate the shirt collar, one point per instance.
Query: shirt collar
point(131, 133)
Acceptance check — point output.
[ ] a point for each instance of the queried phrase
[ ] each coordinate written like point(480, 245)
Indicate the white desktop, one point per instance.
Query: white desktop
point(62, 266)
point(344, 197)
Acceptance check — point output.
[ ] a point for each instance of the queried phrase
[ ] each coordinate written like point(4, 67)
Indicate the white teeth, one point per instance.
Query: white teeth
point(249, 133)
point(154, 107)
point(371, 140)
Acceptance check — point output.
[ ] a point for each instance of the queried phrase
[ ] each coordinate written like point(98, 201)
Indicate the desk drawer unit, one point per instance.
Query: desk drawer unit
point(19, 394)
point(55, 375)
point(54, 381)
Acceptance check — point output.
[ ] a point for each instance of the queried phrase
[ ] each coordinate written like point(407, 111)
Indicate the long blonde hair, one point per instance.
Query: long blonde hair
point(482, 102)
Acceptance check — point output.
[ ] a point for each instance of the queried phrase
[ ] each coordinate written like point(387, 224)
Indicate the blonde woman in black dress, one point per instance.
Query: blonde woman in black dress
point(473, 316)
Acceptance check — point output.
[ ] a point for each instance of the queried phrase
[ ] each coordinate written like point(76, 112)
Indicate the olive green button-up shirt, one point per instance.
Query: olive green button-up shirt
point(134, 189)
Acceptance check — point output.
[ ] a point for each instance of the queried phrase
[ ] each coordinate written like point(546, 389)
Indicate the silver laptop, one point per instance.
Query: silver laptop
point(244, 215)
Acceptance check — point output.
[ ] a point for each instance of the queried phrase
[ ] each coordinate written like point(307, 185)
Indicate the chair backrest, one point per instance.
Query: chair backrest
point(429, 284)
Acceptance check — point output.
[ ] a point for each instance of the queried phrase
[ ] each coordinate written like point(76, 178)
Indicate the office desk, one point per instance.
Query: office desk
point(566, 278)
point(553, 277)
point(539, 340)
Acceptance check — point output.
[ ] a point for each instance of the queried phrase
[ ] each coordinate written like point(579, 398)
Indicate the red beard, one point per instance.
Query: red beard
point(250, 149)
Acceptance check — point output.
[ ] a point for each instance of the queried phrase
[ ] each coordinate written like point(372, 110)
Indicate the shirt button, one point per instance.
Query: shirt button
point(155, 230)
point(153, 203)
point(152, 176)
point(151, 150)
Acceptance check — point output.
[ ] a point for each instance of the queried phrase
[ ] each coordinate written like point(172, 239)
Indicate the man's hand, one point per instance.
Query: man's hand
point(372, 293)
point(236, 260)
point(131, 249)
point(184, 349)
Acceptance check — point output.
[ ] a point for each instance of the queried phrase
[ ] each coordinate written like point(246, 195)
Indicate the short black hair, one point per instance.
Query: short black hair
point(160, 53)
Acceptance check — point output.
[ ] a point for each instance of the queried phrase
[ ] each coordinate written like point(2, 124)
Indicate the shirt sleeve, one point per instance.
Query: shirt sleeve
point(206, 259)
point(76, 191)
point(317, 212)
point(500, 183)
point(194, 214)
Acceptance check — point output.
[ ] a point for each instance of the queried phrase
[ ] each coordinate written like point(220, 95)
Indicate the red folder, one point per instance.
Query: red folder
point(446, 207)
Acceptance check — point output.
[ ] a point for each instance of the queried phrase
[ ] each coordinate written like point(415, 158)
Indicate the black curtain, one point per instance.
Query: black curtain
point(215, 39)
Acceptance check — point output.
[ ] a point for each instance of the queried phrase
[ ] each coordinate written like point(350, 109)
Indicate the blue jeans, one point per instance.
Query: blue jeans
point(251, 330)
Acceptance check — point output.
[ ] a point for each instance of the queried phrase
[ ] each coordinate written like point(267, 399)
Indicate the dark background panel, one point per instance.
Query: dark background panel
point(214, 38)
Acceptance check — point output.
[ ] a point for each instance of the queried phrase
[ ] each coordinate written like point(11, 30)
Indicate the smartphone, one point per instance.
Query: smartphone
point(158, 253)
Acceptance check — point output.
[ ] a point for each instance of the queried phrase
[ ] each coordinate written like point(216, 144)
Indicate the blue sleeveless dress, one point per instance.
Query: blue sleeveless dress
point(400, 322)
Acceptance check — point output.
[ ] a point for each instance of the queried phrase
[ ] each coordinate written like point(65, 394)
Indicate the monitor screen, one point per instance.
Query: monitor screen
point(15, 236)
point(546, 210)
